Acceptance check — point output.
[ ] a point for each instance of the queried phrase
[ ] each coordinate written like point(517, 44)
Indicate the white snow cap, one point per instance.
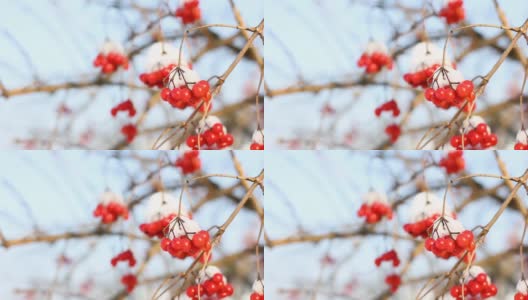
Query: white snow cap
point(162, 204)
point(373, 47)
point(472, 123)
point(178, 79)
point(372, 197)
point(209, 122)
point(208, 273)
point(258, 137)
point(425, 205)
point(522, 137)
point(443, 77)
point(111, 47)
point(447, 226)
point(425, 55)
point(258, 287)
point(473, 272)
point(108, 197)
point(157, 59)
point(522, 287)
point(186, 226)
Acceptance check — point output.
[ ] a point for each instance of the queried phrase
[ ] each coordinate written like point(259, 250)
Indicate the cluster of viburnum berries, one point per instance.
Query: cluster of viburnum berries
point(111, 57)
point(189, 162)
point(521, 290)
point(257, 290)
point(392, 280)
point(189, 11)
point(111, 208)
point(128, 280)
point(375, 206)
point(454, 162)
point(474, 134)
point(390, 106)
point(211, 284)
point(210, 135)
point(257, 141)
point(453, 12)
point(521, 140)
point(184, 238)
point(450, 239)
point(475, 284)
point(187, 90)
point(375, 58)
point(448, 89)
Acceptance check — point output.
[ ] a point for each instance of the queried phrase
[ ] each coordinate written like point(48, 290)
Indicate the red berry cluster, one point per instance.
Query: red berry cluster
point(521, 140)
point(394, 281)
point(373, 63)
point(520, 146)
point(215, 287)
point(478, 138)
point(257, 140)
point(157, 78)
point(391, 255)
point(157, 228)
point(256, 146)
point(374, 212)
point(127, 255)
point(391, 105)
point(420, 228)
point(111, 62)
point(453, 12)
point(393, 131)
point(129, 281)
point(256, 296)
point(129, 131)
point(183, 97)
point(475, 287)
point(189, 162)
point(127, 106)
point(421, 78)
point(182, 246)
point(189, 12)
point(447, 97)
point(214, 138)
point(110, 212)
point(520, 296)
point(454, 162)
point(447, 246)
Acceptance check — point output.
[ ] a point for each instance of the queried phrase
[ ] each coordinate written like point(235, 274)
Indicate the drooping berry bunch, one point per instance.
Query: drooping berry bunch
point(453, 12)
point(521, 140)
point(425, 208)
point(129, 131)
point(111, 206)
point(393, 131)
point(421, 77)
point(257, 290)
point(257, 141)
point(189, 11)
point(426, 58)
point(374, 58)
point(157, 78)
point(211, 284)
point(475, 285)
point(185, 239)
point(129, 281)
point(126, 106)
point(449, 89)
point(111, 57)
point(162, 209)
point(454, 162)
point(185, 89)
point(127, 256)
point(450, 239)
point(394, 282)
point(475, 134)
point(390, 255)
point(189, 162)
point(161, 59)
point(521, 290)
point(375, 206)
point(390, 106)
point(210, 135)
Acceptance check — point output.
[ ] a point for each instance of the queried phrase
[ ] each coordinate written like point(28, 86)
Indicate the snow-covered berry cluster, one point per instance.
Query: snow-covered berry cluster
point(257, 141)
point(449, 89)
point(390, 256)
point(161, 59)
point(185, 89)
point(257, 292)
point(450, 239)
point(126, 106)
point(210, 284)
point(521, 140)
point(475, 134)
point(110, 208)
point(389, 106)
point(426, 58)
point(126, 256)
point(375, 206)
point(425, 208)
point(162, 209)
point(189, 11)
point(475, 284)
point(211, 134)
point(374, 58)
point(521, 290)
point(111, 57)
point(185, 238)
point(453, 11)
point(454, 162)
point(189, 162)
